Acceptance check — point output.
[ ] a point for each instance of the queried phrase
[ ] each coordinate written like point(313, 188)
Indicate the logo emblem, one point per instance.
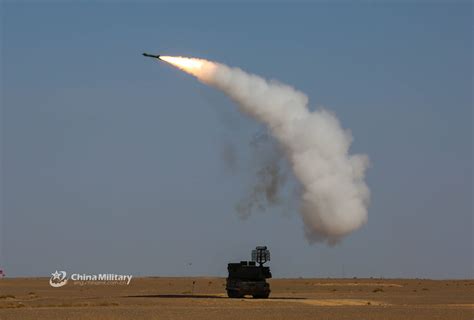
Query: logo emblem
point(58, 279)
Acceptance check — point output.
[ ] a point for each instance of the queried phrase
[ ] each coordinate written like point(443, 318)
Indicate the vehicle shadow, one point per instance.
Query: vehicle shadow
point(199, 296)
point(205, 296)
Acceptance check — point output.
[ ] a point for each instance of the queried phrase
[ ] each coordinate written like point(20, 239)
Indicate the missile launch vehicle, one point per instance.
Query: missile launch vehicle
point(248, 278)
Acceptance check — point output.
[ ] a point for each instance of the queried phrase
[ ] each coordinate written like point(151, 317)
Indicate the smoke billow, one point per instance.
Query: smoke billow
point(269, 180)
point(334, 195)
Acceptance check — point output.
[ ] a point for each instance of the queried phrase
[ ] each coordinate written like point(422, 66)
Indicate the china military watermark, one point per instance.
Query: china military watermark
point(60, 278)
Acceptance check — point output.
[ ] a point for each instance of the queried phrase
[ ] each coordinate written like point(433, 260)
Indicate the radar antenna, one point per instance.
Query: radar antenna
point(261, 255)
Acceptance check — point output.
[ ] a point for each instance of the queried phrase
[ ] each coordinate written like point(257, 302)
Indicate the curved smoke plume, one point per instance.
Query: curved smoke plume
point(335, 197)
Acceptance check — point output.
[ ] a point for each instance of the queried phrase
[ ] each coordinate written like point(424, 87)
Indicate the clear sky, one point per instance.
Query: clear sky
point(112, 162)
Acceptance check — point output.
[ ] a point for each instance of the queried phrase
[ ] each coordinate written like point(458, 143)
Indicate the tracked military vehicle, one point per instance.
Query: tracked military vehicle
point(248, 278)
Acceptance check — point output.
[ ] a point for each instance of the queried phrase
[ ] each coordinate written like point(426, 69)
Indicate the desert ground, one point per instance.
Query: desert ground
point(179, 298)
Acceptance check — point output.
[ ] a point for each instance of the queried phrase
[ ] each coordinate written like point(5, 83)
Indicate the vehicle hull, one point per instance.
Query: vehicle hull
point(238, 288)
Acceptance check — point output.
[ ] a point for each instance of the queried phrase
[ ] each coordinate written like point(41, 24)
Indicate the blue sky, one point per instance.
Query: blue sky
point(113, 163)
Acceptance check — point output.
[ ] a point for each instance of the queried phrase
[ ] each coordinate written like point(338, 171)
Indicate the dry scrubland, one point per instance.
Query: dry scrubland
point(175, 298)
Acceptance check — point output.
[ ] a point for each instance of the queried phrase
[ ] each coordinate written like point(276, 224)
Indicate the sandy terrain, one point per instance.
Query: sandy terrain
point(175, 298)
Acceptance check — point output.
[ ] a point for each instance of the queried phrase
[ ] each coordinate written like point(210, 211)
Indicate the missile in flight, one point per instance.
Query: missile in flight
point(151, 56)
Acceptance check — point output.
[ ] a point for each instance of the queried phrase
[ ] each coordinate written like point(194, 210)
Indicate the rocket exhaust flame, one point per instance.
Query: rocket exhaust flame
point(335, 196)
point(185, 64)
point(197, 67)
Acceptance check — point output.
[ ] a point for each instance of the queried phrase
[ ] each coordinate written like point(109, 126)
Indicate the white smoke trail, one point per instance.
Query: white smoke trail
point(335, 197)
